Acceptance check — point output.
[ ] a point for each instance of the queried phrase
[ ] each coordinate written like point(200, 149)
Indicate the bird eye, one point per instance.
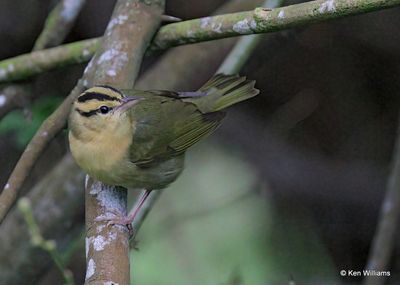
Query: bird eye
point(104, 109)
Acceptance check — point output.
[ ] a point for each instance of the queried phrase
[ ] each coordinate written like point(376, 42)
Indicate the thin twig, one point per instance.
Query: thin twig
point(13, 97)
point(117, 63)
point(239, 55)
point(59, 23)
point(384, 238)
point(24, 205)
point(57, 202)
point(198, 30)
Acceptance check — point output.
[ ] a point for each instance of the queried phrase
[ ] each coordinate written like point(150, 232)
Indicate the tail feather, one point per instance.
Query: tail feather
point(217, 80)
point(225, 90)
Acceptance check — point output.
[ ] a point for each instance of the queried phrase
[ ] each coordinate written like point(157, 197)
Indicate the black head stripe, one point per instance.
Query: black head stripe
point(96, 96)
point(86, 114)
point(111, 88)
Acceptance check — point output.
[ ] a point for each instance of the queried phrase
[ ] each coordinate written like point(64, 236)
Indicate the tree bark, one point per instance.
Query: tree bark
point(117, 63)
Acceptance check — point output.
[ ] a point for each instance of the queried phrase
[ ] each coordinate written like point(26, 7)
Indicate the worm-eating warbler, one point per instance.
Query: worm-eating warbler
point(137, 139)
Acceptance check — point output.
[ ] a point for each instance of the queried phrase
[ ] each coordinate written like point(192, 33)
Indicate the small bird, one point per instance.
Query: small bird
point(138, 139)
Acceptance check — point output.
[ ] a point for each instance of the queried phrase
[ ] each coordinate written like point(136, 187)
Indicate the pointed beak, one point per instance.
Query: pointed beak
point(127, 103)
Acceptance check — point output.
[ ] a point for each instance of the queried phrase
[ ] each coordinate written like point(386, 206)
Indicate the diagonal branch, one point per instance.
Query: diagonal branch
point(50, 127)
point(384, 239)
point(245, 46)
point(199, 30)
point(59, 23)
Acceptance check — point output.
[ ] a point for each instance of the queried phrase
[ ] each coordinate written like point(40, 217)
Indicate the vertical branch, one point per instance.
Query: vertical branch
point(383, 241)
point(128, 34)
point(107, 247)
point(126, 39)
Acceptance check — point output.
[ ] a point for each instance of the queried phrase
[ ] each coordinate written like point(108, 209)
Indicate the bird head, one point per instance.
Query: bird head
point(99, 109)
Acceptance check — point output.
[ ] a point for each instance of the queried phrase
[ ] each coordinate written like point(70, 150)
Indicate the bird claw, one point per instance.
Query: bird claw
point(170, 19)
point(123, 221)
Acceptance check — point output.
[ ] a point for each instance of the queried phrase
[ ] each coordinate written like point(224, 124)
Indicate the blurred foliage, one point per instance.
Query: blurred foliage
point(217, 225)
point(24, 123)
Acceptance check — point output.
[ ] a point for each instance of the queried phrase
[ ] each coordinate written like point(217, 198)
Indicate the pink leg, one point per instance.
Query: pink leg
point(135, 210)
point(127, 221)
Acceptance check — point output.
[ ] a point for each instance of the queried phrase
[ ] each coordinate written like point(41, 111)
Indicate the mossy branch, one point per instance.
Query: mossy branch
point(37, 62)
point(262, 20)
point(198, 30)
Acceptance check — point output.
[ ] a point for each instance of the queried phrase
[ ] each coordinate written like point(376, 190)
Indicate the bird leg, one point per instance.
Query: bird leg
point(127, 220)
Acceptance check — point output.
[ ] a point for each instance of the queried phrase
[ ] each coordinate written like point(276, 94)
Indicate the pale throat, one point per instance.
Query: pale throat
point(100, 149)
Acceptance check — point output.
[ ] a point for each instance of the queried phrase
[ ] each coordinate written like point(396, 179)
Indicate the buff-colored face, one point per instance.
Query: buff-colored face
point(93, 111)
point(99, 109)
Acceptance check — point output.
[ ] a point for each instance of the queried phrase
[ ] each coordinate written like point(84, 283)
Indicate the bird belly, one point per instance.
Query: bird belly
point(157, 176)
point(109, 163)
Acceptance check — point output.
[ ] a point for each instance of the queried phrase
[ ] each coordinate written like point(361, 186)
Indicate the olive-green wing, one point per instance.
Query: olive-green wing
point(166, 126)
point(193, 130)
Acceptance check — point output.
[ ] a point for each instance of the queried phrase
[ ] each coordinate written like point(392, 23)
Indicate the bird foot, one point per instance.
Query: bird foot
point(126, 220)
point(123, 221)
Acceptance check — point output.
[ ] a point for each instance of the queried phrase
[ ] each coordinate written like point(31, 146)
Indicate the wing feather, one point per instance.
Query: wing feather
point(166, 126)
point(196, 130)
